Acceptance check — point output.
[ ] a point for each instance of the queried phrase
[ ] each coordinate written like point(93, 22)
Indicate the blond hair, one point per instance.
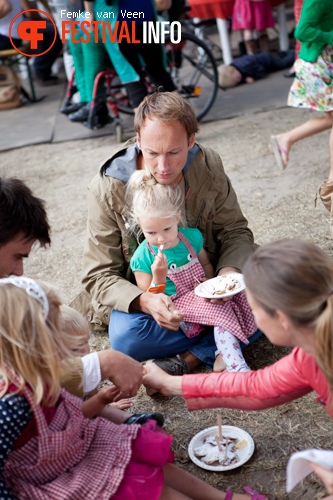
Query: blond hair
point(32, 348)
point(73, 324)
point(145, 197)
point(226, 75)
point(167, 107)
point(296, 277)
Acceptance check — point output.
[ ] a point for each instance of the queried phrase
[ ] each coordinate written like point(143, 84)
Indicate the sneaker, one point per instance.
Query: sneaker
point(81, 115)
point(98, 116)
point(141, 418)
point(72, 108)
point(175, 365)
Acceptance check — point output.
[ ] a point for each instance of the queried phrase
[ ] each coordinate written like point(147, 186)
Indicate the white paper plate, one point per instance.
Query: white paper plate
point(228, 430)
point(207, 288)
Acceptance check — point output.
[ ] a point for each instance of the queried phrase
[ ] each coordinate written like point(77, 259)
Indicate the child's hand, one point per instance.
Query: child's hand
point(159, 267)
point(122, 404)
point(107, 394)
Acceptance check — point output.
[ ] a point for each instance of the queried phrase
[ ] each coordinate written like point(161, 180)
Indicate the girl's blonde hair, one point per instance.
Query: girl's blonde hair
point(296, 277)
point(32, 348)
point(145, 197)
point(74, 325)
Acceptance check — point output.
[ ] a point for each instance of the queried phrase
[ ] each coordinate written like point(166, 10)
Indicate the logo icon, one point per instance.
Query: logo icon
point(31, 32)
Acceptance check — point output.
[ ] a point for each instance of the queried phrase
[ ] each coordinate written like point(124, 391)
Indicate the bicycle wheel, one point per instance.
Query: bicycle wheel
point(194, 72)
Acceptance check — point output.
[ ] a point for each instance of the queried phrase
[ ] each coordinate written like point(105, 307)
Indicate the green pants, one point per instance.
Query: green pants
point(89, 60)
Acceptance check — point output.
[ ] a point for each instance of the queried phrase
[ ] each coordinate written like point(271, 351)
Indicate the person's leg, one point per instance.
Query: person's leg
point(89, 60)
point(42, 64)
point(287, 139)
point(139, 336)
point(153, 58)
point(191, 487)
point(250, 43)
point(6, 44)
point(330, 175)
point(230, 350)
point(275, 62)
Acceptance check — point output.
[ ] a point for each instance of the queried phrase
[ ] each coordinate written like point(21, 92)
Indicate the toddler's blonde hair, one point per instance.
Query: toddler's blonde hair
point(73, 324)
point(225, 74)
point(33, 350)
point(145, 197)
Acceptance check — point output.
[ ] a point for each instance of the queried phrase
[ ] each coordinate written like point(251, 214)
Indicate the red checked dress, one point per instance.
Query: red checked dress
point(234, 315)
point(70, 457)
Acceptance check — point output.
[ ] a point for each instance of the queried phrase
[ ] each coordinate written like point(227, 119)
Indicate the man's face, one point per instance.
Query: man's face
point(164, 149)
point(12, 255)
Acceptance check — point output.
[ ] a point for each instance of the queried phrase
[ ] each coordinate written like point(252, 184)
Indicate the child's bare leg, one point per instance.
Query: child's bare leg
point(191, 487)
point(230, 350)
point(330, 176)
point(116, 416)
point(250, 43)
point(307, 129)
point(219, 364)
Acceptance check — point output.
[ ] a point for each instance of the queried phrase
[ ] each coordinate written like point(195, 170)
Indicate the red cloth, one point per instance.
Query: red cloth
point(248, 15)
point(234, 315)
point(206, 9)
point(289, 378)
point(74, 457)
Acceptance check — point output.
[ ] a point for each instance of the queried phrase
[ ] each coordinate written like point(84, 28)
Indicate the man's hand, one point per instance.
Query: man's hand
point(157, 380)
point(159, 267)
point(123, 371)
point(162, 309)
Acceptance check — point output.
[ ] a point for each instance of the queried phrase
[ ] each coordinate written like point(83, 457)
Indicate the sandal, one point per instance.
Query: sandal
point(279, 152)
point(325, 193)
point(253, 494)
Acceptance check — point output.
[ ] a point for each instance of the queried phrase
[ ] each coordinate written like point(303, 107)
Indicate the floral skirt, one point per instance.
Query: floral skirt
point(313, 85)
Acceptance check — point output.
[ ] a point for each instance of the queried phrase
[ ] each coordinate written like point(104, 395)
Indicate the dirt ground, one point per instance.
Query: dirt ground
point(277, 205)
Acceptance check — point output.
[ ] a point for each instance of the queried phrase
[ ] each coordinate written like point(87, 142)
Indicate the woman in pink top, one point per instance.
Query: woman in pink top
point(289, 286)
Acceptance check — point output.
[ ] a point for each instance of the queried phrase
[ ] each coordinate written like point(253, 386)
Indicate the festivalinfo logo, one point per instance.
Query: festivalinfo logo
point(80, 28)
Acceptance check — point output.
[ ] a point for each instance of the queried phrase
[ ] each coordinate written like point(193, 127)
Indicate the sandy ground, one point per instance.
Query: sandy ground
point(277, 205)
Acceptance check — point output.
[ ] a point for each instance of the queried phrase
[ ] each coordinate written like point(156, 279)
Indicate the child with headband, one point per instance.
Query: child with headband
point(171, 259)
point(48, 449)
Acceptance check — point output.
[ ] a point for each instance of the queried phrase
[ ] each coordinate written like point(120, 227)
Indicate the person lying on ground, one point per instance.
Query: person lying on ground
point(248, 68)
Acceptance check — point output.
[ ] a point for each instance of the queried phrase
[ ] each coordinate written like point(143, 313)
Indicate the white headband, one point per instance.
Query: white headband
point(32, 288)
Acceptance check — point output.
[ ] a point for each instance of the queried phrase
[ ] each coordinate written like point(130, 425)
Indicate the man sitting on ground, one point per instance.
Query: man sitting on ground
point(146, 325)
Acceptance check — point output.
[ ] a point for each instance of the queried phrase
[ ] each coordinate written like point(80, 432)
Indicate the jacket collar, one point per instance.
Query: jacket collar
point(123, 163)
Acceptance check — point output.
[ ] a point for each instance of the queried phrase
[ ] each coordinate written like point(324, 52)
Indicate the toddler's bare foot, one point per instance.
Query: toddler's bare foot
point(219, 365)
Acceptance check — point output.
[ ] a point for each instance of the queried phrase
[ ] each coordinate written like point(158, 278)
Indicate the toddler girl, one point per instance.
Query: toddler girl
point(157, 209)
point(250, 16)
point(48, 449)
point(76, 326)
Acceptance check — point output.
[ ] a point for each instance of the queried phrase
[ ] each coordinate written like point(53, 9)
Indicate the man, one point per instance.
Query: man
point(146, 325)
point(23, 222)
point(249, 68)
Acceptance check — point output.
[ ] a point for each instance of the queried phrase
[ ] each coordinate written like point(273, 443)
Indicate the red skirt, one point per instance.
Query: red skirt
point(252, 15)
point(143, 477)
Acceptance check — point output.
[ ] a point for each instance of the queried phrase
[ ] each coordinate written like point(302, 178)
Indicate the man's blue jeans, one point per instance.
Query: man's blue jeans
point(139, 336)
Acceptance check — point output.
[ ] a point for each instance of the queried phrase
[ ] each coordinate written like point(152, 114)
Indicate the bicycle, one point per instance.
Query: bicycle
point(193, 70)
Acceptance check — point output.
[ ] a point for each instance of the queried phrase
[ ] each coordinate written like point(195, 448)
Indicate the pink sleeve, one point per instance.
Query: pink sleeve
point(286, 380)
